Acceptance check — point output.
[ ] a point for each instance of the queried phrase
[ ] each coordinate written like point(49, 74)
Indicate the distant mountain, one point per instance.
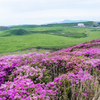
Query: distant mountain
point(72, 21)
point(75, 21)
point(2, 28)
point(69, 21)
point(64, 21)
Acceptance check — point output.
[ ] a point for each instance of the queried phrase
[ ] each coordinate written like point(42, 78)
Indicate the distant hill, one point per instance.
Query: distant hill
point(87, 23)
point(19, 32)
point(65, 22)
point(2, 28)
point(72, 21)
point(25, 26)
point(62, 23)
point(15, 32)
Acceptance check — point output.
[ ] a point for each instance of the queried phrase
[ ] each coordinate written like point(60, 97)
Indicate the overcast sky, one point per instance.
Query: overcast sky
point(17, 12)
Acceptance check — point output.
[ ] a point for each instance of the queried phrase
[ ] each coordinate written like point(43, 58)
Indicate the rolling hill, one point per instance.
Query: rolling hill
point(45, 36)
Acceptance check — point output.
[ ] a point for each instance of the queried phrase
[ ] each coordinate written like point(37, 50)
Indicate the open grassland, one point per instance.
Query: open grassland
point(45, 37)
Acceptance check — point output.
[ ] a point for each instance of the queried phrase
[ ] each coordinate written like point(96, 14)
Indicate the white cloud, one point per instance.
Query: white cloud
point(45, 11)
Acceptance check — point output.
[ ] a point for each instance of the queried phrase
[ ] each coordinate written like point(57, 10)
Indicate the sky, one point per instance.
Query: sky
point(19, 12)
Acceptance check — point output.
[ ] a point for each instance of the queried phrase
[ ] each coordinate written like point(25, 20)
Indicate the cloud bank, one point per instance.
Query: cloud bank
point(14, 12)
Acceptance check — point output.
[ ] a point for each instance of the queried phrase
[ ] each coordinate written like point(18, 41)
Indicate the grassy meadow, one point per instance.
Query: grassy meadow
point(54, 36)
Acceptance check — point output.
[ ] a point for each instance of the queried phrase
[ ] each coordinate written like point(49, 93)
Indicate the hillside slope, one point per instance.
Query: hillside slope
point(71, 73)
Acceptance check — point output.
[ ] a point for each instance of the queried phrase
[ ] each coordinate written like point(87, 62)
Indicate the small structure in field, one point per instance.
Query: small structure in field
point(81, 25)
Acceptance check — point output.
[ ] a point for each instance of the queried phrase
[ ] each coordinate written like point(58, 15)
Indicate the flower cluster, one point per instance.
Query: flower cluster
point(65, 74)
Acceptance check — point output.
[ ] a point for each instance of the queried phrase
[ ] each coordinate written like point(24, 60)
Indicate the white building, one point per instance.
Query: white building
point(81, 25)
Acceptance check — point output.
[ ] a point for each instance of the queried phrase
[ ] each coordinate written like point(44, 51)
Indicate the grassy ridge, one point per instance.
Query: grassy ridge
point(26, 26)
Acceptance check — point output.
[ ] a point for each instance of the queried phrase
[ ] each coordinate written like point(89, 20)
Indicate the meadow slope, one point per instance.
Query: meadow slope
point(68, 74)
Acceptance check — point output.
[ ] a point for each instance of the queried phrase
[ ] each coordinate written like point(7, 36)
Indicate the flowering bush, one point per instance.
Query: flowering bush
point(72, 73)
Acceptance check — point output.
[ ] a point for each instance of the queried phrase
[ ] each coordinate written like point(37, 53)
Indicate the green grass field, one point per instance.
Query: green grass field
point(44, 36)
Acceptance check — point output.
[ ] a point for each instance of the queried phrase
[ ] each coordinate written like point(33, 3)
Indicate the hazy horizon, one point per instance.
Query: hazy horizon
point(19, 12)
